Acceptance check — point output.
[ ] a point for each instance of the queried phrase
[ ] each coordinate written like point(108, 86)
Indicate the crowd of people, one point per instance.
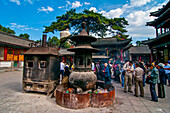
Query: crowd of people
point(136, 73)
point(128, 73)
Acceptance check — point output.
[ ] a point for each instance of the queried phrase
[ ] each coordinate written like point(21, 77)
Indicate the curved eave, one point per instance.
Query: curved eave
point(119, 43)
point(160, 11)
point(83, 49)
point(83, 38)
point(10, 44)
point(158, 39)
point(161, 19)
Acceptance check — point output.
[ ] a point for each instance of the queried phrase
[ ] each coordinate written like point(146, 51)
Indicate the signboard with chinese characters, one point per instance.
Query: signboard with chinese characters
point(21, 57)
point(166, 55)
point(15, 57)
point(10, 57)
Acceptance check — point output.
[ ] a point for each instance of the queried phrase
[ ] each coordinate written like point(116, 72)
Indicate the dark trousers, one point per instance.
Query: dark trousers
point(153, 92)
point(107, 80)
point(161, 90)
point(144, 80)
point(62, 72)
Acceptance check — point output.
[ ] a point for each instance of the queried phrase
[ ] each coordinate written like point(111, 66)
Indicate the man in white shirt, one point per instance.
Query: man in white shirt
point(62, 66)
point(128, 67)
point(93, 66)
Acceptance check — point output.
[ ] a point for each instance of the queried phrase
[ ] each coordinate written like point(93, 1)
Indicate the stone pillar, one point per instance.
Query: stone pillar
point(130, 57)
point(121, 56)
point(156, 32)
point(151, 55)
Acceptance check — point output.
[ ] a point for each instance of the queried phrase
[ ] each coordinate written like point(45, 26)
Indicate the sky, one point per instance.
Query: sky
point(30, 16)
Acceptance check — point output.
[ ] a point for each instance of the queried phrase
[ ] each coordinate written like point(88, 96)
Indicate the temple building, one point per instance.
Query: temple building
point(160, 45)
point(11, 50)
point(139, 53)
point(111, 47)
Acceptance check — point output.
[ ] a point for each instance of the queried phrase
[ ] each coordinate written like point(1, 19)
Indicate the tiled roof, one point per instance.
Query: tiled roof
point(110, 41)
point(140, 50)
point(65, 52)
point(42, 51)
point(7, 38)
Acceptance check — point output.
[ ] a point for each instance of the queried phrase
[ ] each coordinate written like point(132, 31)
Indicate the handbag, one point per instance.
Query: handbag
point(148, 80)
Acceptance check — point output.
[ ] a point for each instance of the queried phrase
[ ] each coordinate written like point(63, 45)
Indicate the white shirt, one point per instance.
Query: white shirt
point(62, 65)
point(93, 66)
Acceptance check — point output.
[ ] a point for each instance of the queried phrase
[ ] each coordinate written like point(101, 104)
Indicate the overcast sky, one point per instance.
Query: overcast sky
point(29, 16)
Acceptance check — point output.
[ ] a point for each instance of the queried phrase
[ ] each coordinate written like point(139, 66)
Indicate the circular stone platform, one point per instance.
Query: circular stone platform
point(79, 101)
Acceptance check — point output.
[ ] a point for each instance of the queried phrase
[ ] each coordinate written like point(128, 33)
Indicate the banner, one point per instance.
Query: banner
point(15, 57)
point(21, 57)
point(10, 57)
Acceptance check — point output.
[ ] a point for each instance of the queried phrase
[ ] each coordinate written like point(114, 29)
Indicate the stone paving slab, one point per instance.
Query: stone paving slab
point(12, 100)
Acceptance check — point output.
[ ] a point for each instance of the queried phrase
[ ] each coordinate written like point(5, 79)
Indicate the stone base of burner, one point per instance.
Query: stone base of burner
point(84, 80)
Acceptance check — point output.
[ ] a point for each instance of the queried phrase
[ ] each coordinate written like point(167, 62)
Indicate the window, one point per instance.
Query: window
point(43, 64)
point(1, 53)
point(16, 52)
point(80, 60)
point(9, 51)
point(30, 64)
point(88, 61)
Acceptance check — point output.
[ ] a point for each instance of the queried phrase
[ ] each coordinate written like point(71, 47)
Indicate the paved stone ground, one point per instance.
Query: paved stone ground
point(12, 100)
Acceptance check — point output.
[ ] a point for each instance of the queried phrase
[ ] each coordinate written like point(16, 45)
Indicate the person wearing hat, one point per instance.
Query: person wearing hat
point(138, 77)
point(161, 90)
point(154, 79)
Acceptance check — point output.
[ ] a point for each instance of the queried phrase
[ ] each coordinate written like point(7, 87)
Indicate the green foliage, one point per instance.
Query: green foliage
point(25, 35)
point(96, 23)
point(7, 30)
point(138, 43)
point(58, 43)
point(54, 40)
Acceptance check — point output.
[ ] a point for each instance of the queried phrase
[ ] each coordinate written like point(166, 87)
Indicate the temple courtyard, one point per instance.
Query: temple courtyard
point(12, 100)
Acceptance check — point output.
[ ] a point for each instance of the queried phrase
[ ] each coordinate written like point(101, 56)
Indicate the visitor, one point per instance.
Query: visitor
point(109, 66)
point(123, 73)
point(113, 70)
point(138, 77)
point(144, 69)
point(128, 67)
point(117, 73)
point(107, 74)
point(167, 71)
point(93, 66)
point(161, 90)
point(67, 71)
point(101, 74)
point(98, 70)
point(153, 63)
point(154, 79)
point(62, 66)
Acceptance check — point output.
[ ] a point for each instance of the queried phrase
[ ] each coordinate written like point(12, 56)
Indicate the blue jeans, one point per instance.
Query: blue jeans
point(122, 78)
point(144, 80)
point(153, 92)
point(168, 75)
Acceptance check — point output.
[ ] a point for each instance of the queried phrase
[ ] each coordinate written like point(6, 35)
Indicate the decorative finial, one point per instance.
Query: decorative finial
point(83, 25)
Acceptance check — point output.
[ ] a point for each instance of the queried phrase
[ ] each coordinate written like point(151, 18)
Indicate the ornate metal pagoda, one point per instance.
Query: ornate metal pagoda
point(83, 76)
